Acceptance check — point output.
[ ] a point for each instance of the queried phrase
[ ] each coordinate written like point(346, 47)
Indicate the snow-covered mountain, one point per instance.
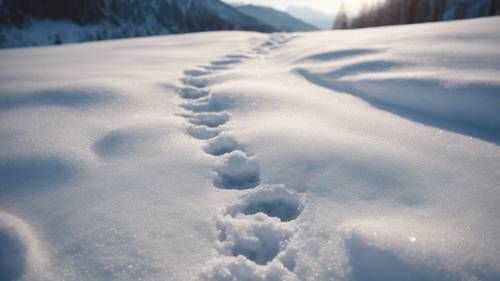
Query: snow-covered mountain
point(33, 22)
point(277, 19)
point(357, 155)
point(394, 12)
point(312, 16)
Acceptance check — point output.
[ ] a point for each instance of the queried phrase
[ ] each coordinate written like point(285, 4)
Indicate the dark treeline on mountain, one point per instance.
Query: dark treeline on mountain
point(395, 12)
point(149, 17)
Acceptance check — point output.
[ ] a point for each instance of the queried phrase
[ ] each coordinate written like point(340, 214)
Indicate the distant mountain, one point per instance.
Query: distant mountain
point(37, 22)
point(279, 20)
point(395, 12)
point(312, 16)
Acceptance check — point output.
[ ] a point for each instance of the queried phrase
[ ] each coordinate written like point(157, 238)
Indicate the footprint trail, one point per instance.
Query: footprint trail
point(253, 235)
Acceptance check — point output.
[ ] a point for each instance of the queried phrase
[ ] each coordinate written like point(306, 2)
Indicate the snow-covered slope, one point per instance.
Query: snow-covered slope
point(279, 20)
point(33, 22)
point(341, 155)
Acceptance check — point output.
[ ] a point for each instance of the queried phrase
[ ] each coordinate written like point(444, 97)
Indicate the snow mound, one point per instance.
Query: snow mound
point(21, 257)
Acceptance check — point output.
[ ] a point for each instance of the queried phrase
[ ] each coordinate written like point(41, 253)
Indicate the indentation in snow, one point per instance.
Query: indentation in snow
point(22, 174)
point(257, 237)
point(226, 61)
point(203, 132)
point(237, 172)
point(195, 72)
point(78, 98)
point(221, 145)
point(122, 142)
point(272, 200)
point(196, 82)
point(193, 93)
point(212, 120)
point(213, 104)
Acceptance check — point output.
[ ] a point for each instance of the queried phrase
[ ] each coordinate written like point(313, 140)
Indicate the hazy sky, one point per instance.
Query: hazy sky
point(326, 6)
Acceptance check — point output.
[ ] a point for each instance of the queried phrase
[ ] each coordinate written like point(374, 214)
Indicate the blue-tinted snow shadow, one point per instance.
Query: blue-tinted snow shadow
point(427, 118)
point(33, 173)
point(369, 263)
point(13, 256)
point(73, 98)
point(124, 142)
point(340, 54)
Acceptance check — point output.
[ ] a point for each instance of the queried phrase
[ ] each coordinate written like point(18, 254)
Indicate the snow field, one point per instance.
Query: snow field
point(291, 157)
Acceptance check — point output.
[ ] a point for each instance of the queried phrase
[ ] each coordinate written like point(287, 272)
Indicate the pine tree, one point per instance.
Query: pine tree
point(57, 40)
point(341, 22)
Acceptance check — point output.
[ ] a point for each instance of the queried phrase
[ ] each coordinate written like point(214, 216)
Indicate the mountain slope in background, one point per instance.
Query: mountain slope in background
point(32, 22)
point(279, 20)
point(395, 12)
point(314, 17)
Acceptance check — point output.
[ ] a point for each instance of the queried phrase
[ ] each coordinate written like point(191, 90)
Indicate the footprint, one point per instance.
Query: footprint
point(203, 132)
point(193, 93)
point(212, 120)
point(272, 200)
point(215, 67)
point(213, 104)
point(225, 62)
point(196, 82)
point(237, 172)
point(259, 238)
point(238, 56)
point(221, 145)
point(195, 72)
point(241, 269)
point(288, 257)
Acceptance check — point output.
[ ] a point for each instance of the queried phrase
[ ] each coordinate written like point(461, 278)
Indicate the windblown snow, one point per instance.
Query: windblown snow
point(365, 155)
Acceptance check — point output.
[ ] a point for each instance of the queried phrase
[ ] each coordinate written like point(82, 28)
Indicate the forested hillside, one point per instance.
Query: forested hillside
point(42, 22)
point(395, 12)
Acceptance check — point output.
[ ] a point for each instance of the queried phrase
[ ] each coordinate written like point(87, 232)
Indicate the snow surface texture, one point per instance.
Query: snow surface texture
point(344, 155)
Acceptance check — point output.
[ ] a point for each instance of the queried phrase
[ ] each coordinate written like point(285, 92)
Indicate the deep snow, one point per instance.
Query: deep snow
point(347, 155)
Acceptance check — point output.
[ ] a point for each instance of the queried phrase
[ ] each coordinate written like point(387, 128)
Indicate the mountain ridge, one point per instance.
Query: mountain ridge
point(279, 20)
point(32, 22)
